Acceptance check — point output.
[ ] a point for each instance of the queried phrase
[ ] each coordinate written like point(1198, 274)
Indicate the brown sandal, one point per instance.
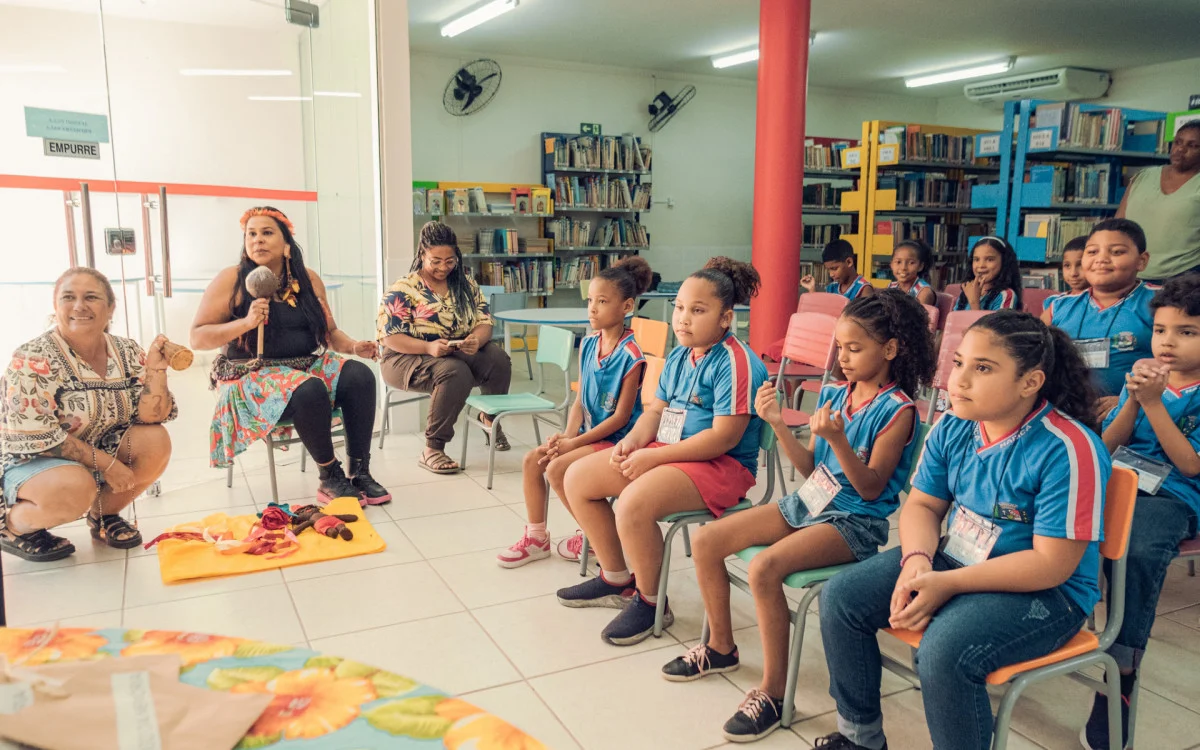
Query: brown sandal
point(438, 463)
point(501, 440)
point(114, 531)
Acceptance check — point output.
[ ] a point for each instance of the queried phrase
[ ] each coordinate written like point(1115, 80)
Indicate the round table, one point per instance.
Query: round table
point(322, 702)
point(567, 317)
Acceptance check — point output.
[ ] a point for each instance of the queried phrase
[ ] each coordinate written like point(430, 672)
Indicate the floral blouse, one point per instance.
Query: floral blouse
point(412, 308)
point(50, 393)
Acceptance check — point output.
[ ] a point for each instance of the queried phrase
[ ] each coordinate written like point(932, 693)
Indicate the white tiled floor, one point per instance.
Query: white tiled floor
point(435, 607)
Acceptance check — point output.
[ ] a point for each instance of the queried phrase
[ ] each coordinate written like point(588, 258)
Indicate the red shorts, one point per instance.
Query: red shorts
point(602, 445)
point(722, 482)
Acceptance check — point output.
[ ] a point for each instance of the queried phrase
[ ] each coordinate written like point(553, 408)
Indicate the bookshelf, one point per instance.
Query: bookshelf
point(600, 186)
point(918, 181)
point(1066, 165)
point(826, 180)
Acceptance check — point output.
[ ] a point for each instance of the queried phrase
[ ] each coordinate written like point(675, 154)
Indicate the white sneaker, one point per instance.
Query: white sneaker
point(569, 548)
point(523, 552)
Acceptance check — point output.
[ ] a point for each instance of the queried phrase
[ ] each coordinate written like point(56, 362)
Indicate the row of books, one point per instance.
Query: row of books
point(438, 202)
point(822, 234)
point(625, 152)
point(528, 276)
point(1106, 129)
point(499, 241)
point(824, 156)
point(1041, 278)
point(928, 189)
point(601, 191)
point(918, 146)
point(609, 232)
point(945, 239)
point(571, 272)
point(824, 195)
point(1058, 230)
point(1075, 183)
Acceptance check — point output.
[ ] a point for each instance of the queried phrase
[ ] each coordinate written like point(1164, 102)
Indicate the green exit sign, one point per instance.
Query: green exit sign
point(589, 128)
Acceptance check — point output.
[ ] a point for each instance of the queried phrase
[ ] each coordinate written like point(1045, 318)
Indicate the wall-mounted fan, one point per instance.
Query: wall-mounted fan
point(472, 87)
point(663, 108)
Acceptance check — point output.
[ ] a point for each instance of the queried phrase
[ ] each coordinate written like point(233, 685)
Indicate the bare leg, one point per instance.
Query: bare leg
point(711, 544)
point(811, 547)
point(151, 449)
point(589, 482)
point(556, 471)
point(52, 498)
point(533, 482)
point(659, 492)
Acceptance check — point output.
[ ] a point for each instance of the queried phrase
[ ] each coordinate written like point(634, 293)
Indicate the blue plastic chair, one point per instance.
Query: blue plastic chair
point(274, 444)
point(556, 346)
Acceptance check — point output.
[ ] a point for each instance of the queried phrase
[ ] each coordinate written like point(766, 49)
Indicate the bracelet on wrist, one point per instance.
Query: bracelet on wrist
point(110, 464)
point(915, 553)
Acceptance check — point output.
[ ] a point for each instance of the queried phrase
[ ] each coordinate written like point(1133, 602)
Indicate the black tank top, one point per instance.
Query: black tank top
point(287, 334)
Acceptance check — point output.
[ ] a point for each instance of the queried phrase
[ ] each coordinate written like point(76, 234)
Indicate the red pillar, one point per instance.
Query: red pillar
point(783, 38)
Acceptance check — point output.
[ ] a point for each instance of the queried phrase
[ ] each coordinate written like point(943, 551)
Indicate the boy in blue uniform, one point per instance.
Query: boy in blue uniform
point(842, 266)
point(1110, 322)
point(1153, 430)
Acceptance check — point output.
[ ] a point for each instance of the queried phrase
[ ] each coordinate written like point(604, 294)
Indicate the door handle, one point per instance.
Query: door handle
point(147, 204)
point(68, 210)
point(89, 249)
point(164, 240)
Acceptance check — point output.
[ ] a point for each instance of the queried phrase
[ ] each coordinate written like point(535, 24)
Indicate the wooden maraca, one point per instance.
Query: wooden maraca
point(178, 357)
point(261, 283)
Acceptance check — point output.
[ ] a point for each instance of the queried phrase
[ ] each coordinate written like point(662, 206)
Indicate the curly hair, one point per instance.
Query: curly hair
point(437, 234)
point(1035, 345)
point(924, 254)
point(1182, 292)
point(1009, 276)
point(735, 282)
point(631, 276)
point(892, 314)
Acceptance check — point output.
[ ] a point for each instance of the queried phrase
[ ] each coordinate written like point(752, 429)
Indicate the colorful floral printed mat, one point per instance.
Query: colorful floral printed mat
point(321, 702)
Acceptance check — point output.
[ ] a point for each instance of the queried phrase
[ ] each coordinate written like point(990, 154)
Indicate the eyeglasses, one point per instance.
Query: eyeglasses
point(447, 263)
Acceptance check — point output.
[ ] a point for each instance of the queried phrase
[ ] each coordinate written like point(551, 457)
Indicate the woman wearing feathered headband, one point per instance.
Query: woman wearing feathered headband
point(300, 376)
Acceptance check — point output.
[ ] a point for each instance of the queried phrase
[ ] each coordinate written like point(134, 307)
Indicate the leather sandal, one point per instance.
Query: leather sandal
point(438, 463)
point(501, 439)
point(36, 546)
point(114, 531)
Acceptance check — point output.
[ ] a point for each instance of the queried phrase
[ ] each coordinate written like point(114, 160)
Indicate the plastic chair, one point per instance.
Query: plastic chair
point(810, 344)
point(945, 306)
point(1035, 299)
point(557, 345)
point(822, 302)
point(1189, 551)
point(935, 316)
point(651, 335)
point(274, 444)
point(956, 327)
point(396, 397)
point(1085, 649)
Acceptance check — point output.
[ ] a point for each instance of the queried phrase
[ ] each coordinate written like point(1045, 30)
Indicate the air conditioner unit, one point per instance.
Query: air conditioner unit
point(1060, 84)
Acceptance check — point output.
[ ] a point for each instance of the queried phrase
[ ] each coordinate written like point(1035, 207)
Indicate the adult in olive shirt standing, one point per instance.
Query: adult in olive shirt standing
point(1165, 201)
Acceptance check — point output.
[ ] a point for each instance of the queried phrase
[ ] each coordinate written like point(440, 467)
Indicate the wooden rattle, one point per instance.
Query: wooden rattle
point(178, 357)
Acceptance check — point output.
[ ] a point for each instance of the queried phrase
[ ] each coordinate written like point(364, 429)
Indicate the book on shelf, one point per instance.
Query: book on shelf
point(822, 234)
point(476, 201)
point(916, 145)
point(419, 201)
point(541, 200)
point(822, 156)
point(1083, 126)
point(817, 271)
point(520, 197)
point(569, 232)
point(606, 232)
point(527, 276)
point(945, 239)
point(823, 195)
point(624, 153)
point(601, 191)
point(457, 201)
point(436, 202)
point(1041, 278)
point(505, 242)
point(928, 189)
point(1057, 230)
point(1074, 183)
point(467, 244)
point(499, 209)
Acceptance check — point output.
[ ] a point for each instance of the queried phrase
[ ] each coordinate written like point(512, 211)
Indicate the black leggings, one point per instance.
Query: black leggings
point(311, 413)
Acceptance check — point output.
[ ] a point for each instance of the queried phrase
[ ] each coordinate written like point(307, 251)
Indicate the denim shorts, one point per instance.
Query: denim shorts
point(864, 535)
point(16, 476)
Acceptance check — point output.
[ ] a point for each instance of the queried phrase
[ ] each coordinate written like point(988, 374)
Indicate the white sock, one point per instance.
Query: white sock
point(651, 600)
point(616, 577)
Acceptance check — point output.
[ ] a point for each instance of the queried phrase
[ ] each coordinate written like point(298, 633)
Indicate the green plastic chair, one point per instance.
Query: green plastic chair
point(811, 581)
point(277, 444)
point(556, 346)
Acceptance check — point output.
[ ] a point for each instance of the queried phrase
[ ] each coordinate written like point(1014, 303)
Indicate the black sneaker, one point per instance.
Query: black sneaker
point(699, 661)
point(757, 717)
point(1094, 735)
point(839, 741)
point(597, 592)
point(334, 484)
point(360, 476)
point(635, 623)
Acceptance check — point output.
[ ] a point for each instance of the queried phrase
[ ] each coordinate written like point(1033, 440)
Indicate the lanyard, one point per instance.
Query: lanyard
point(967, 456)
point(695, 377)
point(1116, 311)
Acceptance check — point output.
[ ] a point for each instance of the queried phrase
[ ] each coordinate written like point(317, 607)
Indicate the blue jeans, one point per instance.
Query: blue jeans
point(1160, 523)
point(970, 637)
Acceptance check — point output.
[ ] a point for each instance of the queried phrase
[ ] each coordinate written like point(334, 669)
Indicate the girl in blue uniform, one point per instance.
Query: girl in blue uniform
point(857, 461)
point(997, 278)
point(695, 448)
point(1020, 474)
point(911, 260)
point(610, 376)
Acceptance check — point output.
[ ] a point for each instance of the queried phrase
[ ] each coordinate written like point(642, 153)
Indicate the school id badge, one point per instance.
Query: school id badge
point(1150, 473)
point(670, 427)
point(819, 489)
point(1094, 352)
point(971, 537)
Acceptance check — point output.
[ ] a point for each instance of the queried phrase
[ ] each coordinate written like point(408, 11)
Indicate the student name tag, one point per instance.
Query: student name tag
point(670, 427)
point(1094, 352)
point(1150, 473)
point(819, 489)
point(971, 537)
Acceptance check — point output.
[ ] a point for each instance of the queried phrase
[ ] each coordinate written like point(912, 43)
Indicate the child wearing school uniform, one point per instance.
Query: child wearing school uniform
point(694, 448)
point(1154, 431)
point(841, 264)
point(1072, 271)
point(1111, 321)
point(856, 462)
point(996, 282)
point(611, 365)
point(1020, 475)
point(911, 260)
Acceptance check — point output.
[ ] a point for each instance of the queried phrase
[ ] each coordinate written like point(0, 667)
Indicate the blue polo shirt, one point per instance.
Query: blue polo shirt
point(1183, 405)
point(722, 383)
point(1046, 477)
point(854, 291)
point(1127, 325)
point(600, 381)
point(918, 286)
point(998, 299)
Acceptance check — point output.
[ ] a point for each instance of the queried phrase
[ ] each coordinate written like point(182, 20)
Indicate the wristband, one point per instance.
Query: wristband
point(916, 553)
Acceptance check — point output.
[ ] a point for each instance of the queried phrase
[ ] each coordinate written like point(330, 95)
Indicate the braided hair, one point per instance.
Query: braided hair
point(437, 234)
point(735, 282)
point(631, 276)
point(1034, 345)
point(892, 314)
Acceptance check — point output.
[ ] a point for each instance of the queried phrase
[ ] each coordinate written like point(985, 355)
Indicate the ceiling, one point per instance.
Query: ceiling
point(864, 45)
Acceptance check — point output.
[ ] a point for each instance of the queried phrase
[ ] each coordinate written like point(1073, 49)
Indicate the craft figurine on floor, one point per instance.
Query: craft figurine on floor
point(332, 526)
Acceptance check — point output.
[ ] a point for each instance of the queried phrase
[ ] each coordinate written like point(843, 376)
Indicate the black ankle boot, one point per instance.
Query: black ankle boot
point(360, 475)
point(335, 484)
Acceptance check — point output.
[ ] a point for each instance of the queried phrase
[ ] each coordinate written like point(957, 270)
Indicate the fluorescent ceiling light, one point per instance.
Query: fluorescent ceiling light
point(280, 98)
point(232, 72)
point(343, 94)
point(482, 14)
point(737, 58)
point(959, 74)
point(30, 68)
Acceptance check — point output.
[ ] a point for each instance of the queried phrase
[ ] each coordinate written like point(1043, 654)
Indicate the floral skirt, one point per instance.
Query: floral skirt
point(250, 407)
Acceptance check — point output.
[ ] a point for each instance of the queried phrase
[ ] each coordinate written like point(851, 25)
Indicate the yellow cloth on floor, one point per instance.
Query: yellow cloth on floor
point(180, 560)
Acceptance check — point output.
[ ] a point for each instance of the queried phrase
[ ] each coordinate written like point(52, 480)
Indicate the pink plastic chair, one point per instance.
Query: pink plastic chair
point(945, 305)
point(809, 342)
point(935, 315)
point(1035, 300)
point(1190, 550)
point(815, 302)
point(956, 327)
